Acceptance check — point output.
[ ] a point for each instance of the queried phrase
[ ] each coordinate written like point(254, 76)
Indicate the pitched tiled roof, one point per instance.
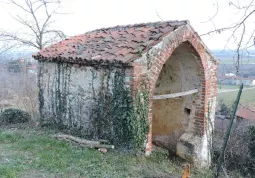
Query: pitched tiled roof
point(116, 44)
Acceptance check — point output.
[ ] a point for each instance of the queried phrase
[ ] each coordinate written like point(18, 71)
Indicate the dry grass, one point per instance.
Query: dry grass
point(18, 90)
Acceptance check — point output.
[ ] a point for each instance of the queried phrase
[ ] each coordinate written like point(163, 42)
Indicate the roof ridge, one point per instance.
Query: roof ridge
point(123, 27)
point(118, 44)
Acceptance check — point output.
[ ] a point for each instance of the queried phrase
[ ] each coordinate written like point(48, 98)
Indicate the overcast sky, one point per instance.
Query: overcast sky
point(86, 15)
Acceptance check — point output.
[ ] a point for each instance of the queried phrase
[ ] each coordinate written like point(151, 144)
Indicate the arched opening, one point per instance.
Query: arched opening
point(177, 97)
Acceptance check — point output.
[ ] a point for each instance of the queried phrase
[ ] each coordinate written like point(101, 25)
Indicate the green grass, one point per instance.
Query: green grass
point(33, 153)
point(224, 86)
point(248, 96)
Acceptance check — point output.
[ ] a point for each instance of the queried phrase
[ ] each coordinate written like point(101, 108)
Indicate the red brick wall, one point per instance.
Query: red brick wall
point(158, 57)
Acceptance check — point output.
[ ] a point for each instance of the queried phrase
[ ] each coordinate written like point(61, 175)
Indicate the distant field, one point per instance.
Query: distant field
point(222, 87)
point(248, 96)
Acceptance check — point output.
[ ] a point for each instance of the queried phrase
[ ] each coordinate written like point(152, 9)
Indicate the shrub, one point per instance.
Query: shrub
point(224, 109)
point(14, 116)
point(240, 152)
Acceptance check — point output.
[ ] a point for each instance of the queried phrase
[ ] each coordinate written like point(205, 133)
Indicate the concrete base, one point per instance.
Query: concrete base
point(194, 149)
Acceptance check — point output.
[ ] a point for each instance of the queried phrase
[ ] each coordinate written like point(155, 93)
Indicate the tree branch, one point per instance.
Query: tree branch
point(41, 33)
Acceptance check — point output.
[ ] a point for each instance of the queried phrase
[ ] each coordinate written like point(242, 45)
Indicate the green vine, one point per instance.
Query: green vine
point(117, 116)
point(115, 112)
point(140, 121)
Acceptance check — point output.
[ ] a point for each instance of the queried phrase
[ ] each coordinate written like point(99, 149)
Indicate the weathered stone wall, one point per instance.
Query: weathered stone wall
point(67, 92)
point(93, 102)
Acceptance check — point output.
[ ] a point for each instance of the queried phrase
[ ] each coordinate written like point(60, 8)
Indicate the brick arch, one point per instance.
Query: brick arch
point(194, 42)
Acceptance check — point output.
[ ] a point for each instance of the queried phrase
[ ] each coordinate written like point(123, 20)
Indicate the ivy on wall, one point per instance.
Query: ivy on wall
point(118, 116)
point(140, 120)
point(115, 113)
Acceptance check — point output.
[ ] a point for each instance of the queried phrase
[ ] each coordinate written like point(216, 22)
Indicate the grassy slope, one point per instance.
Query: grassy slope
point(248, 96)
point(31, 153)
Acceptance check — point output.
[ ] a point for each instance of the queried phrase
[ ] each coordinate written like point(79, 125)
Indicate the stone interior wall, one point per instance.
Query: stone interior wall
point(174, 116)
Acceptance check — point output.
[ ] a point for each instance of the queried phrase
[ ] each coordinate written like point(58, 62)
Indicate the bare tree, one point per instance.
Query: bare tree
point(241, 36)
point(37, 20)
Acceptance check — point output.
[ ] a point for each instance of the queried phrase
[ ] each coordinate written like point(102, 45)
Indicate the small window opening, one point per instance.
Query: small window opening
point(187, 111)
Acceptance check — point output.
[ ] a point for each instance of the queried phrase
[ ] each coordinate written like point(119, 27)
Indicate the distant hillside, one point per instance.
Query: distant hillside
point(229, 53)
point(15, 55)
point(229, 57)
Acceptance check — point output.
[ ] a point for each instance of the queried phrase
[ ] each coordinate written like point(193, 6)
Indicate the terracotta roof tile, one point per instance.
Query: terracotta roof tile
point(116, 44)
point(246, 112)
